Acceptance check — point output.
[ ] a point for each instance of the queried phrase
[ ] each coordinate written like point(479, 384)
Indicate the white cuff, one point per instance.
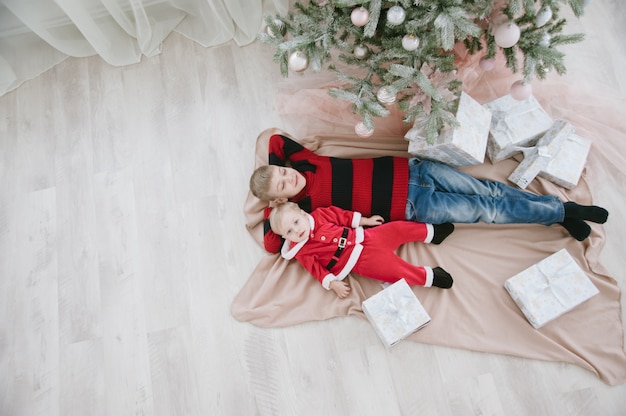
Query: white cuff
point(356, 219)
point(327, 279)
point(429, 276)
point(430, 233)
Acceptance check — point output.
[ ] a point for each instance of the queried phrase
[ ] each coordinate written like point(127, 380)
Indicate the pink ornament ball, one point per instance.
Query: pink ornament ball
point(360, 16)
point(521, 90)
point(487, 64)
point(507, 34)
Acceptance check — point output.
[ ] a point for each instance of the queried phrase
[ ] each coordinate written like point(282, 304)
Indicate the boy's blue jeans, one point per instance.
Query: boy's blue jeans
point(439, 193)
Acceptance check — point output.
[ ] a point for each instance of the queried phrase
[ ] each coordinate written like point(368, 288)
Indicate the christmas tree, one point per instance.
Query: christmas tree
point(401, 52)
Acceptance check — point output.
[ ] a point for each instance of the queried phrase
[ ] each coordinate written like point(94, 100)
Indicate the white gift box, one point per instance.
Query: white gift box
point(514, 123)
point(459, 146)
point(565, 168)
point(536, 159)
point(395, 312)
point(550, 288)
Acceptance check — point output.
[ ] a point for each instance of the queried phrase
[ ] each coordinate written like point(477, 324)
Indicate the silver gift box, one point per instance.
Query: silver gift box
point(514, 123)
point(567, 166)
point(464, 145)
point(537, 158)
point(550, 288)
point(395, 312)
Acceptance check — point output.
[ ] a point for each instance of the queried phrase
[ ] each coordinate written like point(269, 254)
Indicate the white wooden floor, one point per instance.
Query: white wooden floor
point(122, 244)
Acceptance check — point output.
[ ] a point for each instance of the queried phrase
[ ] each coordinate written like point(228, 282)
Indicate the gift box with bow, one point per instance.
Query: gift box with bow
point(395, 312)
point(537, 158)
point(566, 167)
point(550, 288)
point(463, 145)
point(514, 123)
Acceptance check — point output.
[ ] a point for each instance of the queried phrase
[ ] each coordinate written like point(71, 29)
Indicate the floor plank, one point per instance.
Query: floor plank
point(123, 243)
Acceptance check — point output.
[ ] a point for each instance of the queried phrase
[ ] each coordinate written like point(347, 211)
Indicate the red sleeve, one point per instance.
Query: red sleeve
point(272, 241)
point(338, 215)
point(282, 149)
point(313, 266)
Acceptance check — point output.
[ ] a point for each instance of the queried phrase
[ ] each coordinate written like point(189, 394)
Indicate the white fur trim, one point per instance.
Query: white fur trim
point(356, 219)
point(430, 233)
point(354, 257)
point(360, 235)
point(429, 276)
point(327, 280)
point(288, 253)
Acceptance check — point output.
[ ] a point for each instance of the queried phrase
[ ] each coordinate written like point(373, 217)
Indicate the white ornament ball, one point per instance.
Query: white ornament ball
point(521, 90)
point(396, 15)
point(543, 16)
point(361, 51)
point(298, 61)
point(386, 96)
point(507, 34)
point(487, 64)
point(361, 130)
point(410, 42)
point(281, 27)
point(545, 40)
point(360, 16)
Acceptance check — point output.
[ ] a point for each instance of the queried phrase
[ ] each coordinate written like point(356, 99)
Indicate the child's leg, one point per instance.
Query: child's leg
point(392, 235)
point(381, 263)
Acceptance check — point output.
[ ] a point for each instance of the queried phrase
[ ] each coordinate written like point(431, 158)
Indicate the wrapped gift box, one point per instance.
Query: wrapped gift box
point(459, 146)
point(536, 159)
point(550, 288)
point(395, 312)
point(514, 123)
point(565, 168)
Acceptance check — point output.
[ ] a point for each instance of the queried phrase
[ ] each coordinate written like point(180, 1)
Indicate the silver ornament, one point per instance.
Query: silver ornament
point(396, 15)
point(361, 51)
point(298, 61)
point(361, 130)
point(410, 42)
point(507, 34)
point(386, 96)
point(543, 16)
point(281, 28)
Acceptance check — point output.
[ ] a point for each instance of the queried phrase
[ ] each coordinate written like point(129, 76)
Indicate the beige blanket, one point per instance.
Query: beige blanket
point(477, 313)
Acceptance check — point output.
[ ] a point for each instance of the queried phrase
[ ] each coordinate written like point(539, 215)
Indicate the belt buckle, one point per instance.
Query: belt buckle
point(342, 242)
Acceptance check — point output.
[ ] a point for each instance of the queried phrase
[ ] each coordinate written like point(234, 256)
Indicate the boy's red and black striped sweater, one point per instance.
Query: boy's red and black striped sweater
point(375, 186)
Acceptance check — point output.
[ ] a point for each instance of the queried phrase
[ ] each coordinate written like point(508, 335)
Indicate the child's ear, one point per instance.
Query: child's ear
point(276, 201)
point(280, 200)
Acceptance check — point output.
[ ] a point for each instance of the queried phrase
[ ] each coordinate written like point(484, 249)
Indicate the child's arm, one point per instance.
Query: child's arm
point(372, 221)
point(282, 149)
point(341, 288)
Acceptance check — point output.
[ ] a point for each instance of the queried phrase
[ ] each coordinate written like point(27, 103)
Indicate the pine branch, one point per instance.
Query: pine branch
point(325, 34)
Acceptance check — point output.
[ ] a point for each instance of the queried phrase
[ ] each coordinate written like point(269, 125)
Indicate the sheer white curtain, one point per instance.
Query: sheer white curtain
point(38, 34)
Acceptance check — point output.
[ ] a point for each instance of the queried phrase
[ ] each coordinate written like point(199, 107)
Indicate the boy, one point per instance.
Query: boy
point(404, 189)
point(331, 242)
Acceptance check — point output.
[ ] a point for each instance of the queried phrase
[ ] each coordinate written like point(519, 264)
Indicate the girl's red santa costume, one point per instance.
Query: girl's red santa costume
point(337, 245)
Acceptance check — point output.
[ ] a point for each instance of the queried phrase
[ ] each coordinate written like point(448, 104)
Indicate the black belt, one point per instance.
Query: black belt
point(340, 246)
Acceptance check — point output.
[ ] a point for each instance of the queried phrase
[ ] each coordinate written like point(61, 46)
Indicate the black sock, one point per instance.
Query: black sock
point(586, 212)
point(578, 229)
point(441, 231)
point(441, 278)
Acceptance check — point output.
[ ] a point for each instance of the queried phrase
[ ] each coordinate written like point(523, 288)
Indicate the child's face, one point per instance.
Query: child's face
point(286, 182)
point(295, 226)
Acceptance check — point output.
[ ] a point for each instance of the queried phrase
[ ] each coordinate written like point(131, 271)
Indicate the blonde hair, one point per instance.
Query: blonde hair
point(276, 216)
point(260, 183)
